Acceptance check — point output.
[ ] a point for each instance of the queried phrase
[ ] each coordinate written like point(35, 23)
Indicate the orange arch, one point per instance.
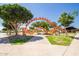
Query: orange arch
point(52, 31)
point(41, 18)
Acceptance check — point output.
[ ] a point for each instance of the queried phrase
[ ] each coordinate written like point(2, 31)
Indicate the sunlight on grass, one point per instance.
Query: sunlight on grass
point(60, 40)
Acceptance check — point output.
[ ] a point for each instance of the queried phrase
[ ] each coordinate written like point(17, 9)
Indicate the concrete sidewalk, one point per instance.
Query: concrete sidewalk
point(39, 46)
point(73, 49)
point(34, 48)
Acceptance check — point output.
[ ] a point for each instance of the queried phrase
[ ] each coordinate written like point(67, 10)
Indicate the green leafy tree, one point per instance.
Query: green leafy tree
point(66, 19)
point(14, 14)
point(7, 28)
point(40, 24)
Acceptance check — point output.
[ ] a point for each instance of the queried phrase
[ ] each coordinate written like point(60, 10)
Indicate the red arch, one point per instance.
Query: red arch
point(41, 18)
point(54, 30)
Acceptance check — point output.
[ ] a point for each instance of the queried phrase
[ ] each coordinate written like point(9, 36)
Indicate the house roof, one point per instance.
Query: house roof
point(71, 28)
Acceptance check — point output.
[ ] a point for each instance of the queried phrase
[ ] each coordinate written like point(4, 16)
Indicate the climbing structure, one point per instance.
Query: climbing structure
point(26, 31)
point(53, 24)
point(56, 29)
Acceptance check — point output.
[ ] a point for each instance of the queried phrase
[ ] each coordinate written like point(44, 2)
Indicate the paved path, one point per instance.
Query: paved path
point(35, 47)
point(39, 46)
point(73, 49)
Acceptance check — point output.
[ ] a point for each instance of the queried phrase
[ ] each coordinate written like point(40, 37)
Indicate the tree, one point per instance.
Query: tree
point(14, 14)
point(67, 18)
point(7, 28)
point(40, 24)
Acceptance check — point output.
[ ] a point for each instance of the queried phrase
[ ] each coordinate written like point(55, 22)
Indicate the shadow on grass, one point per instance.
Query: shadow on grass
point(19, 38)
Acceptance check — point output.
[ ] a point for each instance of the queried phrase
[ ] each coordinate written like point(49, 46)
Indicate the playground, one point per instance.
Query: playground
point(25, 34)
point(52, 31)
point(57, 35)
point(48, 42)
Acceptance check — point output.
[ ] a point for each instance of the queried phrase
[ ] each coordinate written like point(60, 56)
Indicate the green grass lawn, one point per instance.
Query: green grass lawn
point(60, 40)
point(18, 41)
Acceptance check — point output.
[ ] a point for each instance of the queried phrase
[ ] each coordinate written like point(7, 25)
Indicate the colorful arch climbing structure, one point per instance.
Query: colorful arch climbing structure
point(52, 31)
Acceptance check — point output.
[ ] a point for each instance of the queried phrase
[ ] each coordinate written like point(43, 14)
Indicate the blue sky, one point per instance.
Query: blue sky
point(52, 11)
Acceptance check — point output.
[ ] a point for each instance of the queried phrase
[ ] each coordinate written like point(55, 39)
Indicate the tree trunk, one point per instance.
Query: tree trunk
point(16, 32)
point(66, 31)
point(14, 27)
point(9, 32)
